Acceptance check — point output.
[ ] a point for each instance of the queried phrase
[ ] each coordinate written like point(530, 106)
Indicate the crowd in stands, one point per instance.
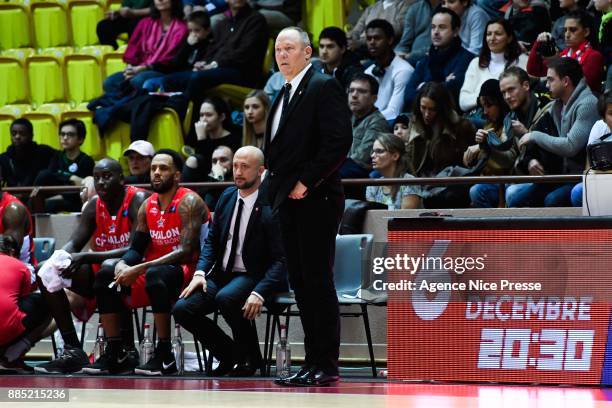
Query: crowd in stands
point(435, 89)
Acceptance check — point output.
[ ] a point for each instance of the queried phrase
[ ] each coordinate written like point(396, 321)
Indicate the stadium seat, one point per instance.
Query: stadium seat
point(116, 140)
point(14, 26)
point(166, 131)
point(8, 114)
point(93, 144)
point(319, 14)
point(236, 93)
point(14, 85)
point(46, 75)
point(84, 17)
point(83, 76)
point(50, 24)
point(43, 248)
point(112, 62)
point(45, 121)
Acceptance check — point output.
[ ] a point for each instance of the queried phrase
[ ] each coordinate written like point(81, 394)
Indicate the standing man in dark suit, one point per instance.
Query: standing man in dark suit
point(241, 264)
point(308, 137)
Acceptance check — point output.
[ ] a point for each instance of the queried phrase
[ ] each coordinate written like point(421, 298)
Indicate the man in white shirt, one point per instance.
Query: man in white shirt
point(241, 264)
point(391, 71)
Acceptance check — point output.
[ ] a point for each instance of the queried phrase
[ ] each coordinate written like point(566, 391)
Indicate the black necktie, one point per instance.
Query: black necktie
point(235, 238)
point(286, 97)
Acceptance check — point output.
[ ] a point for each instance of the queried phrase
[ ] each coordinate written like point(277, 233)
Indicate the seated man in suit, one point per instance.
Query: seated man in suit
point(241, 264)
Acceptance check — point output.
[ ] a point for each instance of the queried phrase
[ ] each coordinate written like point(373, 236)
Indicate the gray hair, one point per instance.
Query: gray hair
point(302, 34)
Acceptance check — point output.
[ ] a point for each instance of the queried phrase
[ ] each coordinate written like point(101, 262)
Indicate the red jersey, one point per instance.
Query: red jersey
point(15, 284)
point(26, 254)
point(165, 230)
point(113, 231)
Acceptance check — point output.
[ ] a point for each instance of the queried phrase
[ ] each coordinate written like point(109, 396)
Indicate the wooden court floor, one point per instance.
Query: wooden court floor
point(127, 392)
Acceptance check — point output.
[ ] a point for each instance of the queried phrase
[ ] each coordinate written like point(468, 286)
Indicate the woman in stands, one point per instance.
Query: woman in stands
point(390, 161)
point(214, 129)
point(437, 138)
point(500, 50)
point(256, 107)
point(155, 40)
point(578, 32)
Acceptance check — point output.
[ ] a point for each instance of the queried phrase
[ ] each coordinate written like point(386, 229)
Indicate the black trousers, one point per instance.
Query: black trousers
point(309, 228)
point(108, 30)
point(163, 285)
point(35, 309)
point(228, 296)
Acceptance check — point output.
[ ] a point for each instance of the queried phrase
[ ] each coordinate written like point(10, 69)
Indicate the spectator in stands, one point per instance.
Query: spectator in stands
point(107, 224)
point(558, 28)
point(139, 155)
point(578, 29)
point(416, 37)
point(24, 158)
point(213, 130)
point(121, 21)
point(334, 57)
point(601, 129)
point(390, 160)
point(155, 40)
point(213, 8)
point(492, 7)
point(447, 60)
point(221, 171)
point(500, 50)
point(574, 112)
point(189, 56)
point(401, 125)
point(437, 138)
point(392, 11)
point(500, 161)
point(473, 22)
point(279, 13)
point(24, 316)
point(67, 167)
point(529, 18)
point(391, 72)
point(256, 108)
point(274, 84)
point(368, 123)
point(236, 55)
point(604, 35)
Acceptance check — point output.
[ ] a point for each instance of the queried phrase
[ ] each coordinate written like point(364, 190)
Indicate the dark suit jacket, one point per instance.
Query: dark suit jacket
point(262, 252)
point(312, 140)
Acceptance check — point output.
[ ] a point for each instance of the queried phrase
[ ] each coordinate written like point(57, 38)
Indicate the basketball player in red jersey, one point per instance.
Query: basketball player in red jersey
point(108, 220)
point(16, 221)
point(168, 238)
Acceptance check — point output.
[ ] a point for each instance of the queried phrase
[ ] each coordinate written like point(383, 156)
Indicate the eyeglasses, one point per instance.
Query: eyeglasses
point(67, 135)
point(378, 152)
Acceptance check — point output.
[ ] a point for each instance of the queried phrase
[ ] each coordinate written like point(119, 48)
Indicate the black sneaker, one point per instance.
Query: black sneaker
point(162, 362)
point(111, 363)
point(133, 357)
point(71, 361)
point(16, 367)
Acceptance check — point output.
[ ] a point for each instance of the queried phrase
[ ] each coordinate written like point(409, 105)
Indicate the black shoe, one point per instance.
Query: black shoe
point(243, 370)
point(223, 369)
point(16, 367)
point(295, 378)
point(71, 361)
point(162, 363)
point(112, 363)
point(318, 378)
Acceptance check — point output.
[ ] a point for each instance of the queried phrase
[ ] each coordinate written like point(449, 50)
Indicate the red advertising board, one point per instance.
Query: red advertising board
point(498, 301)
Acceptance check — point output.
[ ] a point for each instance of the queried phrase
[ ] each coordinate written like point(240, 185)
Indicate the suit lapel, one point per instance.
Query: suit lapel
point(228, 221)
point(255, 214)
point(299, 93)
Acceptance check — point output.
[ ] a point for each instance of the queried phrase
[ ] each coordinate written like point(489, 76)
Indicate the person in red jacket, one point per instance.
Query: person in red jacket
point(24, 315)
point(578, 28)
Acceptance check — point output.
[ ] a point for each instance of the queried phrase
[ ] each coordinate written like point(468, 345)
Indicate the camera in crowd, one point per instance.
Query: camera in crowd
point(547, 49)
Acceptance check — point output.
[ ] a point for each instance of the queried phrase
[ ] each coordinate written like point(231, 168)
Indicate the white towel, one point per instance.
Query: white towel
point(50, 272)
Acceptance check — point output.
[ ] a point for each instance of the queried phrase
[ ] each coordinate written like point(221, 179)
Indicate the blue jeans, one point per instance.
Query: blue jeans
point(350, 169)
point(113, 82)
point(576, 195)
point(176, 82)
point(484, 195)
point(538, 195)
point(228, 298)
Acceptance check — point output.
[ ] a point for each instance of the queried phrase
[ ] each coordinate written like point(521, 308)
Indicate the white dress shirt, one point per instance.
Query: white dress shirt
point(249, 203)
point(295, 82)
point(392, 86)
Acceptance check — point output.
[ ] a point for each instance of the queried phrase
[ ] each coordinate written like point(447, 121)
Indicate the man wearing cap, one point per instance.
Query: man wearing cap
point(139, 155)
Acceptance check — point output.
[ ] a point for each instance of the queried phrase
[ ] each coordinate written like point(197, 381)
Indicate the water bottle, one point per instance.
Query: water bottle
point(100, 344)
point(178, 349)
point(283, 355)
point(146, 347)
